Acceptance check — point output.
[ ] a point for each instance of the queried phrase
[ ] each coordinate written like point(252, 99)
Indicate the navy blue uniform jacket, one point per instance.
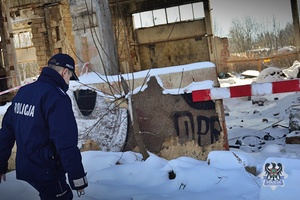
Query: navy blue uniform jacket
point(41, 121)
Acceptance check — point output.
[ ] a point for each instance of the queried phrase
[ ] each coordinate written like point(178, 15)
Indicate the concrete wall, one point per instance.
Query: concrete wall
point(171, 124)
point(169, 45)
point(174, 126)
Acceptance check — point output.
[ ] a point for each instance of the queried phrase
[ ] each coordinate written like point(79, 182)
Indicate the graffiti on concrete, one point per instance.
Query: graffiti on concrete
point(208, 128)
point(185, 114)
point(210, 125)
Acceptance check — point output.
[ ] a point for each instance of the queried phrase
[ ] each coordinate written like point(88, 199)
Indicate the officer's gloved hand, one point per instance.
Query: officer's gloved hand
point(80, 192)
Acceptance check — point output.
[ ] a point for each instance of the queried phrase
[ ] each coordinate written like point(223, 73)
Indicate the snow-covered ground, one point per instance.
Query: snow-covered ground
point(257, 138)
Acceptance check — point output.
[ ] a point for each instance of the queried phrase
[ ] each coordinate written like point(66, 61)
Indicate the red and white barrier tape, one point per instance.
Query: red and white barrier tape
point(254, 89)
point(9, 90)
point(12, 89)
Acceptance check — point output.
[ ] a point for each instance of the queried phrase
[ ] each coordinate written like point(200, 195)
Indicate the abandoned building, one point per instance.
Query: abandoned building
point(136, 36)
point(116, 37)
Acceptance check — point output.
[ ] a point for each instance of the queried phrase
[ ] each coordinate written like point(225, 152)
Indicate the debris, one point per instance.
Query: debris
point(255, 111)
point(172, 175)
point(260, 103)
point(268, 137)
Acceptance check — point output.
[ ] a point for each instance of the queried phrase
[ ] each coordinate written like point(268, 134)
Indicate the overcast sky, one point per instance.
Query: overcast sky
point(224, 11)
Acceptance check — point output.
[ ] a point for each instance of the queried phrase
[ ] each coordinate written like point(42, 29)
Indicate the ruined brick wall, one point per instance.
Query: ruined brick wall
point(8, 63)
point(223, 54)
point(39, 37)
point(128, 50)
point(58, 25)
point(51, 27)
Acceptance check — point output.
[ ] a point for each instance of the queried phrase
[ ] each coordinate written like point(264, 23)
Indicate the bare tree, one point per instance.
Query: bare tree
point(107, 50)
point(286, 36)
point(242, 34)
point(268, 35)
point(248, 34)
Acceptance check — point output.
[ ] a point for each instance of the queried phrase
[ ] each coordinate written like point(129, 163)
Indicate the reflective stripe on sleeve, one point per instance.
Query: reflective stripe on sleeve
point(80, 182)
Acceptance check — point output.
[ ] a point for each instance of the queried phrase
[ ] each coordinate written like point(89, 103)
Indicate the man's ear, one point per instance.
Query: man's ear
point(64, 71)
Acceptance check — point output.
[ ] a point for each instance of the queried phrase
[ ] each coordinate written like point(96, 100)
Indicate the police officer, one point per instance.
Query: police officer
point(41, 121)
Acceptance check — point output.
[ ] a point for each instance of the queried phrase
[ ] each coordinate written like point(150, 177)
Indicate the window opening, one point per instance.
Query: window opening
point(186, 12)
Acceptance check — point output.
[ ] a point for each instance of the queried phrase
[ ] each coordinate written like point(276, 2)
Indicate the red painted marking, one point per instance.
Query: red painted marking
point(241, 90)
point(201, 95)
point(285, 86)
